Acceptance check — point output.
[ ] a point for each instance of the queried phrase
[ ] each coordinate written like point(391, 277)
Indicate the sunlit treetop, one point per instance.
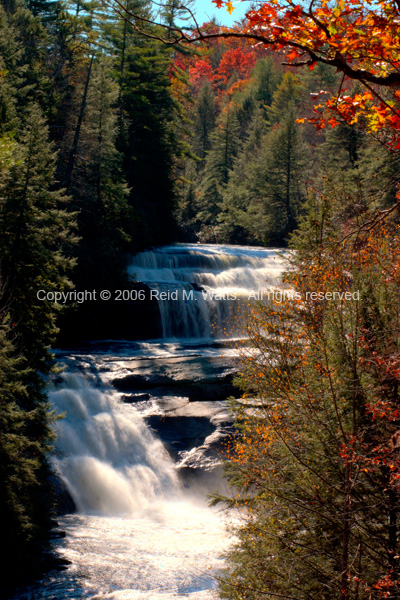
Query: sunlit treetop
point(360, 39)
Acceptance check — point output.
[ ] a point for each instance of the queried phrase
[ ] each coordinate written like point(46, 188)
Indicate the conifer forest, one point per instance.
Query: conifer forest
point(183, 167)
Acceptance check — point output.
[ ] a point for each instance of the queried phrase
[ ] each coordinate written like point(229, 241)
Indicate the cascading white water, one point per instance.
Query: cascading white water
point(108, 459)
point(211, 284)
point(138, 534)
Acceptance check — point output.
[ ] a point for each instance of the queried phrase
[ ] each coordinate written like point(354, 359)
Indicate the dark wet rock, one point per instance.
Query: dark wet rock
point(181, 433)
point(218, 387)
point(53, 561)
point(194, 433)
point(211, 391)
point(198, 482)
point(114, 319)
point(210, 455)
point(137, 382)
point(131, 398)
point(64, 503)
point(57, 534)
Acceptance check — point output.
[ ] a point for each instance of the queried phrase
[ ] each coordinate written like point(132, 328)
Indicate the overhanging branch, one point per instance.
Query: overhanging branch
point(177, 36)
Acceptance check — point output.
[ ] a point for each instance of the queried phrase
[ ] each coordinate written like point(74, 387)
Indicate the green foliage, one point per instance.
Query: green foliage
point(266, 77)
point(35, 234)
point(204, 120)
point(34, 237)
point(146, 138)
point(76, 74)
point(24, 492)
point(251, 178)
point(219, 162)
point(99, 190)
point(286, 97)
point(266, 187)
point(234, 217)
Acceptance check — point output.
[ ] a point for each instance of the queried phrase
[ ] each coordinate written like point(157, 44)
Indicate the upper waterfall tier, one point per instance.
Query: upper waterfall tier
point(201, 288)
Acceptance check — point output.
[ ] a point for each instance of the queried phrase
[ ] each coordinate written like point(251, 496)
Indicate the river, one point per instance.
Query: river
point(139, 444)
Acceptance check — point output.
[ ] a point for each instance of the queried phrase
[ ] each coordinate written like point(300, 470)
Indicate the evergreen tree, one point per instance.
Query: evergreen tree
point(267, 188)
point(286, 97)
point(99, 189)
point(34, 229)
point(219, 162)
point(236, 222)
point(174, 14)
point(266, 77)
point(186, 213)
point(282, 168)
point(146, 139)
point(35, 234)
point(23, 48)
point(23, 487)
point(105, 220)
point(259, 92)
point(11, 53)
point(204, 120)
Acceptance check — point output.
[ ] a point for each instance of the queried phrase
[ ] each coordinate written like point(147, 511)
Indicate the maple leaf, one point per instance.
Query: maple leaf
point(292, 55)
point(219, 3)
point(229, 7)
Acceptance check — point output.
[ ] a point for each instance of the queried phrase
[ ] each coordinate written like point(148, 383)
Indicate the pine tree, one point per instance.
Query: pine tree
point(219, 162)
point(285, 98)
point(266, 77)
point(204, 120)
point(99, 189)
point(267, 187)
point(186, 207)
point(236, 222)
point(35, 234)
point(34, 238)
point(174, 15)
point(283, 164)
point(146, 139)
point(23, 490)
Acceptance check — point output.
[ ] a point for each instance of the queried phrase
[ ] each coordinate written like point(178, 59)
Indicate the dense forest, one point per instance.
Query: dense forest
point(112, 142)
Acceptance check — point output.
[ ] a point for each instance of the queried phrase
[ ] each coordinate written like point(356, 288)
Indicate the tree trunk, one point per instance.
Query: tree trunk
point(72, 155)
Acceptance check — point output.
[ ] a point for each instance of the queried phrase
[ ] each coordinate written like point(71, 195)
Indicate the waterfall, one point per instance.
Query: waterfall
point(108, 459)
point(202, 290)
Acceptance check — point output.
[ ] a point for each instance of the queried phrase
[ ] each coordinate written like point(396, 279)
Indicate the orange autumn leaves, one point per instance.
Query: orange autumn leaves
point(321, 404)
point(238, 61)
point(361, 40)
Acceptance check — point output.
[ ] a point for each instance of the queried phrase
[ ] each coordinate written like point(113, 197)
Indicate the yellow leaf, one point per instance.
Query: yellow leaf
point(229, 7)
